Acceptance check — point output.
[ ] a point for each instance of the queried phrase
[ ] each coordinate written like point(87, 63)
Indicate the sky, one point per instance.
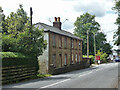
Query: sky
point(45, 10)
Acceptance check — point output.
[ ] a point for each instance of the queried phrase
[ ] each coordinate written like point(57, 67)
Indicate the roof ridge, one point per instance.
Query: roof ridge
point(57, 30)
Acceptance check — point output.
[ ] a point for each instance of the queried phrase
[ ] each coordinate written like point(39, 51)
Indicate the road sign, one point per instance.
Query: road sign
point(97, 57)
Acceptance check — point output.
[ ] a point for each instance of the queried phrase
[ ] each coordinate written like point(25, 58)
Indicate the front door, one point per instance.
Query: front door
point(60, 60)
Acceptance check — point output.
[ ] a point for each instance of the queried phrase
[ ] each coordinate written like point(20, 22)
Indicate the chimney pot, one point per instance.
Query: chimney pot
point(58, 19)
point(55, 19)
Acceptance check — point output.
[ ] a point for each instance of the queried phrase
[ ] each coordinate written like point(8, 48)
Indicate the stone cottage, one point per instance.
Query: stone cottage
point(63, 48)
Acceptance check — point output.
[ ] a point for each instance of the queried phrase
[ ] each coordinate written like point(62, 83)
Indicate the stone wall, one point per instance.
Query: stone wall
point(85, 63)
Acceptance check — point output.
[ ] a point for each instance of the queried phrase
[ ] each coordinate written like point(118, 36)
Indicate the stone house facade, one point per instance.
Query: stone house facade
point(63, 48)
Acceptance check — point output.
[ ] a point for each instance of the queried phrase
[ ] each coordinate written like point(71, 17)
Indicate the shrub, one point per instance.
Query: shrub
point(17, 59)
point(103, 56)
point(92, 58)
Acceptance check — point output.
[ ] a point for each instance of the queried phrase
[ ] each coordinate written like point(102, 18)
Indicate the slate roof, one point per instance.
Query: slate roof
point(48, 28)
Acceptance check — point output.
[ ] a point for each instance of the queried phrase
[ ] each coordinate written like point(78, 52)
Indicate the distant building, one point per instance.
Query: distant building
point(63, 48)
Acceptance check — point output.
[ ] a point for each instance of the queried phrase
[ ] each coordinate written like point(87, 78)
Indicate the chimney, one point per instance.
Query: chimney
point(57, 22)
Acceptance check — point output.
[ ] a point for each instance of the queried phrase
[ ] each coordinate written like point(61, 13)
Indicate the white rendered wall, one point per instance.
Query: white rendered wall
point(43, 59)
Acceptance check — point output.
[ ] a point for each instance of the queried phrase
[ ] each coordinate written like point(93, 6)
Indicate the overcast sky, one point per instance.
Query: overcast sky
point(45, 10)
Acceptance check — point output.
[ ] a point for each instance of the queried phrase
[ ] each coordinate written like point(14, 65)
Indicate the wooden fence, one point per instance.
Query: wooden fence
point(17, 73)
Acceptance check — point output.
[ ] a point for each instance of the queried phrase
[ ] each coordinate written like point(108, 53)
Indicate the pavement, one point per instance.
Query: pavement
point(97, 76)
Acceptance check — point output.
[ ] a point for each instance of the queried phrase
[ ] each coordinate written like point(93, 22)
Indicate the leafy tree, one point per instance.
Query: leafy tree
point(101, 43)
point(20, 36)
point(87, 22)
point(82, 24)
point(117, 33)
point(1, 23)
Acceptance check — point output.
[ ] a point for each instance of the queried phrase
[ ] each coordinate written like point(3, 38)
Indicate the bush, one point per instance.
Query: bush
point(103, 56)
point(17, 59)
point(90, 56)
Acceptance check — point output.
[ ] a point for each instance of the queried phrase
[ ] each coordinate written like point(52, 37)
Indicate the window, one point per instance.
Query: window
point(53, 39)
point(72, 58)
point(79, 44)
point(79, 58)
point(72, 44)
point(65, 59)
point(76, 44)
point(65, 42)
point(54, 60)
point(76, 58)
point(60, 41)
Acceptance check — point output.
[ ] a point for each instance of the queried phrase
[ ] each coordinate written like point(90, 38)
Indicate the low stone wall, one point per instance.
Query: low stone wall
point(85, 63)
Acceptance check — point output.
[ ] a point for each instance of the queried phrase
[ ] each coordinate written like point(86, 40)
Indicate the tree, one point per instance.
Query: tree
point(103, 56)
point(117, 33)
point(87, 22)
point(19, 36)
point(82, 24)
point(1, 23)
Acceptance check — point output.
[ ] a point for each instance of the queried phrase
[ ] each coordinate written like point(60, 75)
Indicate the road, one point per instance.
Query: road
point(100, 76)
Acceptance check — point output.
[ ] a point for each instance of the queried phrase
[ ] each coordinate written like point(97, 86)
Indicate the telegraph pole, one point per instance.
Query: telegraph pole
point(87, 44)
point(31, 13)
point(94, 48)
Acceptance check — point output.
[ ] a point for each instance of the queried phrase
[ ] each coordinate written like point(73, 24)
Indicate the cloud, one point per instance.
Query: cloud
point(70, 9)
point(94, 7)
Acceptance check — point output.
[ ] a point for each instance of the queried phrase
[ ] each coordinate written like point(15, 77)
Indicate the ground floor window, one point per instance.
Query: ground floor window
point(65, 63)
point(54, 60)
point(72, 59)
point(79, 58)
point(76, 58)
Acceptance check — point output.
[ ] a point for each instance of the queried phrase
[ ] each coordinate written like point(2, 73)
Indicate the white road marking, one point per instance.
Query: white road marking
point(70, 79)
point(85, 73)
point(55, 83)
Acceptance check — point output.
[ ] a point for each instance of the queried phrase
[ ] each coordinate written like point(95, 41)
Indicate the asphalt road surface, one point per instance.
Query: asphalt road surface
point(100, 76)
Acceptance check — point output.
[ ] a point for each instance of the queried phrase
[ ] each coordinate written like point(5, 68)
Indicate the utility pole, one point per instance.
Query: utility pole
point(31, 13)
point(94, 48)
point(87, 44)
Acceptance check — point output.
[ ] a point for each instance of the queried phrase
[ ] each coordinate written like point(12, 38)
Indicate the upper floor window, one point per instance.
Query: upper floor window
point(60, 41)
point(76, 44)
point(79, 44)
point(65, 63)
point(72, 43)
point(54, 60)
point(53, 39)
point(65, 42)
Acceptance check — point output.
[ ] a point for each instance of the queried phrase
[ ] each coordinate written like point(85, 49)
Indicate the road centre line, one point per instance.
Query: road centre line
point(55, 83)
point(85, 73)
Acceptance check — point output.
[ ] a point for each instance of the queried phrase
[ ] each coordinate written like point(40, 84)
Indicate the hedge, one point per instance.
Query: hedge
point(17, 67)
point(17, 59)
